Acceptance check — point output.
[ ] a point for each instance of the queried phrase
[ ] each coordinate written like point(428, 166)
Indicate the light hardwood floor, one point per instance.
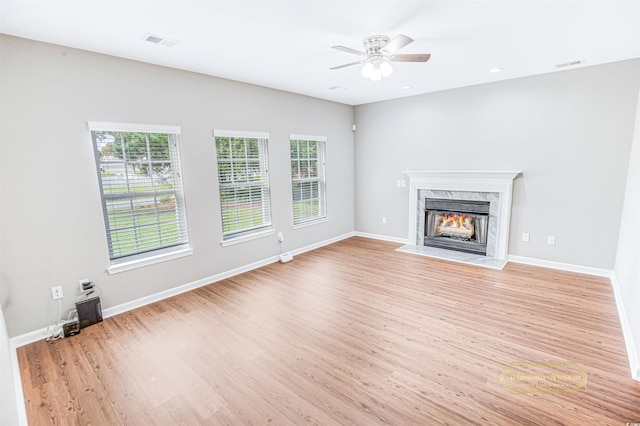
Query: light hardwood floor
point(351, 333)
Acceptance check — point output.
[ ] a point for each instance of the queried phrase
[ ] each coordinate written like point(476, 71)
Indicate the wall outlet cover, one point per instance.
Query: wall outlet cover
point(56, 292)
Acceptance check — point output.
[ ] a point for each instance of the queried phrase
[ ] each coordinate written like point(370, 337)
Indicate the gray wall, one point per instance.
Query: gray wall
point(569, 133)
point(52, 227)
point(627, 267)
point(8, 407)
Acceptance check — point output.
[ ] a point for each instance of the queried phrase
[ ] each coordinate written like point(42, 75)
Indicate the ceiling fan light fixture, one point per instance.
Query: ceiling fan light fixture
point(367, 70)
point(375, 70)
point(386, 68)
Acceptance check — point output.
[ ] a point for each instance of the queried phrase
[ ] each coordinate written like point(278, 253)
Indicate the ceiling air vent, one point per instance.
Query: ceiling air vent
point(570, 64)
point(151, 38)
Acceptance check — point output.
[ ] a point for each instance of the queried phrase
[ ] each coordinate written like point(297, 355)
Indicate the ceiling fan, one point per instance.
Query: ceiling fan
point(379, 52)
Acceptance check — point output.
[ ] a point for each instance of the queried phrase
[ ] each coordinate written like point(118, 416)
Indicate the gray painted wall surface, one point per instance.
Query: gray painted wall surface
point(627, 267)
point(52, 226)
point(8, 411)
point(569, 133)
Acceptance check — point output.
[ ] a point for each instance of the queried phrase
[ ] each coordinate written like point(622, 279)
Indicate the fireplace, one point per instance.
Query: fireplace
point(460, 216)
point(460, 225)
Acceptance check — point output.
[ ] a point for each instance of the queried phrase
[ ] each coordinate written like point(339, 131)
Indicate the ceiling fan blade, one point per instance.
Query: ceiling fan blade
point(397, 43)
point(411, 57)
point(345, 65)
point(348, 50)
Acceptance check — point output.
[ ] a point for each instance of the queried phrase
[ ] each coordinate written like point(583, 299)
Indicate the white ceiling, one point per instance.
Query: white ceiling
point(287, 44)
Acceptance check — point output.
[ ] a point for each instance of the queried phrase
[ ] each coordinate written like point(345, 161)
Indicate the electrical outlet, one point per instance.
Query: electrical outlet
point(551, 240)
point(56, 292)
point(280, 237)
point(525, 237)
point(384, 220)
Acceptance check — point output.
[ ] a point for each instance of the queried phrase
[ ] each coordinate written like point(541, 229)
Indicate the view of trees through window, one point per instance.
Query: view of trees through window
point(141, 191)
point(244, 184)
point(308, 181)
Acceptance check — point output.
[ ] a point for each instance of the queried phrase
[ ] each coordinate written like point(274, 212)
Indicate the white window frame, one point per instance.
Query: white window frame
point(124, 262)
point(262, 185)
point(320, 179)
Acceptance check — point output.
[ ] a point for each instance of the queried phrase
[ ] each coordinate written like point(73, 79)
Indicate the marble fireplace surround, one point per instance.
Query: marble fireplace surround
point(494, 187)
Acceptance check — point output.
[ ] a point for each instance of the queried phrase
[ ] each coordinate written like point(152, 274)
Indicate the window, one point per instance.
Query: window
point(243, 178)
point(141, 189)
point(308, 178)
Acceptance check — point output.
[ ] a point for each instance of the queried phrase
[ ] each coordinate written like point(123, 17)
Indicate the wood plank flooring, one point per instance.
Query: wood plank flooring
point(351, 333)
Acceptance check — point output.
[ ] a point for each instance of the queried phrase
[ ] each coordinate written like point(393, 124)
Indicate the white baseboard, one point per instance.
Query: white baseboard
point(632, 352)
point(21, 409)
point(29, 337)
point(561, 266)
point(382, 237)
point(128, 306)
point(323, 243)
point(34, 336)
point(146, 300)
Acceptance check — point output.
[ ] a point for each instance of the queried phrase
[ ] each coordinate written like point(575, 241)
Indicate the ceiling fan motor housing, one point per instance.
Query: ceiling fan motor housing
point(373, 45)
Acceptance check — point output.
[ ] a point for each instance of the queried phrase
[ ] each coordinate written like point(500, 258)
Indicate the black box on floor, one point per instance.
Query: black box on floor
point(89, 312)
point(71, 328)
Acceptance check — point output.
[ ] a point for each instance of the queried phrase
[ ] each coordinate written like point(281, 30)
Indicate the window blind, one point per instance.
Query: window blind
point(141, 188)
point(243, 178)
point(308, 178)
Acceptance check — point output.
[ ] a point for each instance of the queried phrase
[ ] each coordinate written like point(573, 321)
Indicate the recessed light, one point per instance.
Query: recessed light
point(495, 70)
point(406, 87)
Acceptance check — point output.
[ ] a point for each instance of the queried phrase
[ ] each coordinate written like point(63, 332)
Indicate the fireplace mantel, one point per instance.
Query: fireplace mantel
point(500, 183)
point(461, 181)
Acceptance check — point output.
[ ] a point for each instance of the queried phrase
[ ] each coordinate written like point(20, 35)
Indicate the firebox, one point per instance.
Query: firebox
point(460, 225)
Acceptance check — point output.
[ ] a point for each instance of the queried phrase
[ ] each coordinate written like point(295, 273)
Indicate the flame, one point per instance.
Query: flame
point(457, 221)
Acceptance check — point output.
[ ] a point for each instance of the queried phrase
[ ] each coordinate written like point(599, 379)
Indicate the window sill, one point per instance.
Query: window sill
point(151, 260)
point(310, 223)
point(249, 237)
